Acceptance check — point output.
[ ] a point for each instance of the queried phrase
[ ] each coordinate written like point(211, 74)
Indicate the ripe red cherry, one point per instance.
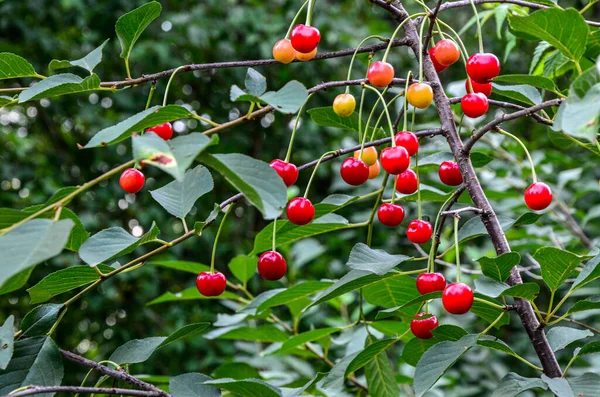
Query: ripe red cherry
point(394, 160)
point(484, 88)
point(132, 180)
point(407, 182)
point(271, 265)
point(354, 171)
point(446, 52)
point(305, 38)
point(438, 66)
point(165, 131)
point(482, 67)
point(380, 74)
point(287, 171)
point(419, 231)
point(457, 298)
point(474, 105)
point(430, 282)
point(390, 214)
point(450, 174)
point(538, 196)
point(408, 141)
point(211, 284)
point(422, 327)
point(300, 211)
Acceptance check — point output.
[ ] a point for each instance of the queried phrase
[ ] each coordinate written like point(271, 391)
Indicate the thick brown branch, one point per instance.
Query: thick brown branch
point(84, 390)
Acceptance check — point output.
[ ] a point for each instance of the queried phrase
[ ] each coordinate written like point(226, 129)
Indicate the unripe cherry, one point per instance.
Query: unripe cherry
point(380, 74)
point(344, 105)
point(419, 95)
point(283, 51)
point(369, 155)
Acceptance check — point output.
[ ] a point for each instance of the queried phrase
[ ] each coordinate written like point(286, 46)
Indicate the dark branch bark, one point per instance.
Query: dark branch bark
point(432, 18)
point(84, 390)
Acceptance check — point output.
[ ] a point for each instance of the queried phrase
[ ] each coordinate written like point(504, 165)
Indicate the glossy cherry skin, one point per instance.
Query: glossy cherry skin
point(354, 171)
point(438, 66)
point(430, 282)
point(419, 231)
point(287, 171)
point(422, 327)
point(374, 170)
point(484, 88)
point(446, 52)
point(305, 38)
point(271, 265)
point(300, 211)
point(380, 74)
point(474, 105)
point(450, 173)
point(132, 180)
point(344, 105)
point(457, 298)
point(211, 284)
point(482, 67)
point(390, 214)
point(538, 196)
point(165, 131)
point(395, 160)
point(407, 182)
point(283, 51)
point(369, 155)
point(408, 141)
point(419, 95)
point(301, 56)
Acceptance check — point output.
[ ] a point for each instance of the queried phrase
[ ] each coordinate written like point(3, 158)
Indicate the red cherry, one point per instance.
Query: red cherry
point(446, 52)
point(305, 38)
point(450, 173)
point(211, 284)
point(300, 211)
point(407, 182)
point(354, 171)
point(430, 282)
point(422, 327)
point(419, 232)
point(390, 214)
point(132, 180)
point(457, 298)
point(538, 196)
point(482, 67)
point(165, 131)
point(484, 88)
point(271, 265)
point(287, 171)
point(380, 74)
point(438, 66)
point(394, 160)
point(474, 105)
point(408, 141)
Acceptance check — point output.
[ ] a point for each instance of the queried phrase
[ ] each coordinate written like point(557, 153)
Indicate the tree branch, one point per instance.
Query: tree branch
point(85, 390)
point(508, 105)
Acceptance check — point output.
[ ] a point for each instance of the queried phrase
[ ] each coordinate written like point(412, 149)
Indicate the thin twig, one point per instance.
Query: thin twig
point(464, 209)
point(85, 390)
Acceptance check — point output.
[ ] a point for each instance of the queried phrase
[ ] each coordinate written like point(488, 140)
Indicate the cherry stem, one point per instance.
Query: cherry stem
point(312, 176)
point(408, 77)
point(508, 134)
point(421, 50)
point(169, 83)
point(375, 36)
point(274, 233)
point(435, 243)
point(419, 210)
point(372, 215)
point(150, 95)
point(462, 49)
point(214, 250)
point(383, 113)
point(291, 144)
point(480, 36)
point(309, 12)
point(492, 325)
point(387, 50)
point(457, 250)
point(293, 23)
point(394, 189)
point(364, 137)
point(387, 113)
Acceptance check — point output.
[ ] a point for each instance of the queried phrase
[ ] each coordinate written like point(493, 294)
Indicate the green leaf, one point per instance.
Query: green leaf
point(88, 62)
point(112, 243)
point(514, 384)
point(566, 30)
point(288, 99)
point(489, 313)
point(40, 319)
point(475, 228)
point(391, 327)
point(130, 26)
point(17, 281)
point(415, 348)
point(255, 179)
point(559, 386)
point(479, 159)
point(368, 354)
point(590, 272)
point(256, 83)
point(60, 84)
point(584, 82)
point(556, 265)
point(191, 385)
point(305, 337)
point(184, 332)
point(137, 123)
point(561, 337)
point(579, 117)
point(188, 294)
point(326, 117)
point(64, 280)
point(13, 66)
point(585, 385)
point(448, 332)
point(590, 348)
point(265, 333)
point(31, 243)
point(436, 361)
point(494, 289)
point(6, 100)
point(490, 287)
point(184, 266)
point(178, 198)
point(35, 361)
point(521, 93)
point(591, 303)
point(541, 82)
point(7, 332)
point(335, 378)
point(293, 294)
point(380, 377)
point(246, 387)
point(352, 281)
point(498, 268)
point(236, 370)
point(243, 267)
point(496, 344)
point(391, 291)
point(398, 309)
point(377, 261)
